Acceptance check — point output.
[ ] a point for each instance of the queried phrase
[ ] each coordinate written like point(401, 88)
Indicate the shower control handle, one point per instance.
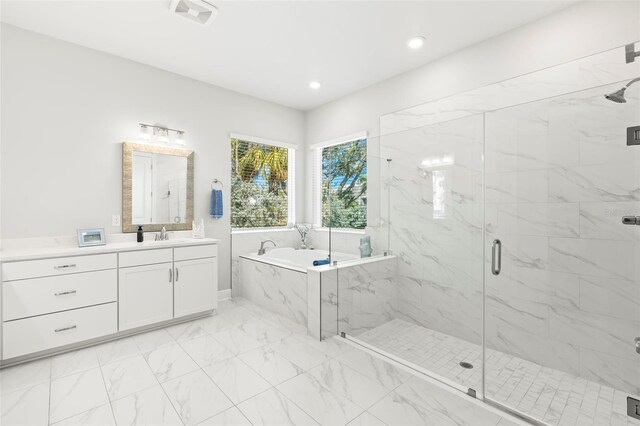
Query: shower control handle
point(496, 257)
point(631, 220)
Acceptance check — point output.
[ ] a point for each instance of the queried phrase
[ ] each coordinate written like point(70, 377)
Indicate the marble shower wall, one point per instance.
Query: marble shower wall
point(433, 185)
point(559, 178)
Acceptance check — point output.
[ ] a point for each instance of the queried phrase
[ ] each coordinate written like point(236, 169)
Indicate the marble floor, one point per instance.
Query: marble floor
point(242, 366)
point(553, 396)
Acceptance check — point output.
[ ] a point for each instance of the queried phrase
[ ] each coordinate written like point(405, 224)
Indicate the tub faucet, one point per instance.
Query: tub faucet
point(262, 249)
point(163, 235)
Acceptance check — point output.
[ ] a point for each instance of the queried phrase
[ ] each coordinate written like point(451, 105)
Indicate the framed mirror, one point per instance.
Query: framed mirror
point(157, 187)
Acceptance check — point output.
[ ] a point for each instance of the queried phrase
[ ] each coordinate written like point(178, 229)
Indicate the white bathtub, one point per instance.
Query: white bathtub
point(298, 260)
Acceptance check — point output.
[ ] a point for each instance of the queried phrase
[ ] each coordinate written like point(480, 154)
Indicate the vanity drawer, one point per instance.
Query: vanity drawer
point(58, 266)
point(36, 334)
point(37, 296)
point(145, 257)
point(195, 252)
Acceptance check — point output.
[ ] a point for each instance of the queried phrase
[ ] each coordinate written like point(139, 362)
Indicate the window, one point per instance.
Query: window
point(341, 184)
point(261, 183)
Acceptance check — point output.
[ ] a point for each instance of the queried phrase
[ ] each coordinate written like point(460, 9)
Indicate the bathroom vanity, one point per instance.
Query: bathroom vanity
point(55, 299)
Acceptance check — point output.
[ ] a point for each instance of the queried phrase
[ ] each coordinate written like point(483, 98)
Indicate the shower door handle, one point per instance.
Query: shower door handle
point(496, 257)
point(637, 342)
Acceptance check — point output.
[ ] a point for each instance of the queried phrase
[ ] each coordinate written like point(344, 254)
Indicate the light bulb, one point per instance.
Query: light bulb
point(180, 138)
point(415, 42)
point(163, 135)
point(144, 132)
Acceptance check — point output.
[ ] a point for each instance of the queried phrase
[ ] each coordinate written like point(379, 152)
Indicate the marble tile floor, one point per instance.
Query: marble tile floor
point(242, 366)
point(552, 396)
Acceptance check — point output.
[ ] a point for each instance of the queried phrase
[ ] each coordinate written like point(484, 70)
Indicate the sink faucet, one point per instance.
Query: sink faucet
point(163, 235)
point(262, 249)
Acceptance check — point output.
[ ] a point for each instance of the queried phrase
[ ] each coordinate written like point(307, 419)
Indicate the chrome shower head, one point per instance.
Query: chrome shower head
point(617, 96)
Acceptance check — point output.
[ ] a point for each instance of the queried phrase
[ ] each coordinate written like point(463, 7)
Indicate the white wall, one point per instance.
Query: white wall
point(577, 31)
point(65, 111)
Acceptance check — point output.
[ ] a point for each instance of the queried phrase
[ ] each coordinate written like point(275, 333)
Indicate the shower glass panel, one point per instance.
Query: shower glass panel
point(423, 304)
point(562, 315)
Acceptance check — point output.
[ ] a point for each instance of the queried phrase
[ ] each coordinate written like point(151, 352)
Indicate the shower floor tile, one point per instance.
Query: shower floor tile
point(553, 396)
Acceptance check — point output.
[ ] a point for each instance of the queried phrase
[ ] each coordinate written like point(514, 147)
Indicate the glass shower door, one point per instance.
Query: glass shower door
point(423, 306)
point(563, 309)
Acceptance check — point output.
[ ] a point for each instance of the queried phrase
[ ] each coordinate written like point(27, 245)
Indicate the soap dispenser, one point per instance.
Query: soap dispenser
point(140, 234)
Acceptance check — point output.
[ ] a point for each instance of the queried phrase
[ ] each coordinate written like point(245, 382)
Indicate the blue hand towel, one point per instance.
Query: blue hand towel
point(216, 204)
point(320, 262)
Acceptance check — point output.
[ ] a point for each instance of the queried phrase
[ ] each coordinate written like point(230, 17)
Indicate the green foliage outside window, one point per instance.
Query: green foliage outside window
point(259, 175)
point(344, 185)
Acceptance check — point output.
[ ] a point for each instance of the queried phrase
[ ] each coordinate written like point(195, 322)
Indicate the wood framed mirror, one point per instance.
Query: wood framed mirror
point(157, 187)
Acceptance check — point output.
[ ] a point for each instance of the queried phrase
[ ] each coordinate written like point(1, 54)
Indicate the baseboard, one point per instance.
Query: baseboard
point(224, 294)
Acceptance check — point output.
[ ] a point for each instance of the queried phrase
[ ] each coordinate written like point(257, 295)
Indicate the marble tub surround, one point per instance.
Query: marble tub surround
point(338, 384)
point(275, 288)
point(310, 298)
point(366, 296)
point(248, 241)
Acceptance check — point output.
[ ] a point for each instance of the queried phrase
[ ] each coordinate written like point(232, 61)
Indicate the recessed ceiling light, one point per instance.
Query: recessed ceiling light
point(315, 85)
point(415, 42)
point(195, 10)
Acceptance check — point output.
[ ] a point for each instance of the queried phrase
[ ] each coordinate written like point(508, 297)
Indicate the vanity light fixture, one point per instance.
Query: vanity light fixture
point(416, 42)
point(161, 134)
point(180, 138)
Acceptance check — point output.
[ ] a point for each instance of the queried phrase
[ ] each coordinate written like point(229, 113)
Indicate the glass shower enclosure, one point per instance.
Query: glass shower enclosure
point(511, 275)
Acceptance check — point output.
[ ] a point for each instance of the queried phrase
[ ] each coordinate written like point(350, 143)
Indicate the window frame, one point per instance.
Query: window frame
point(316, 179)
point(291, 181)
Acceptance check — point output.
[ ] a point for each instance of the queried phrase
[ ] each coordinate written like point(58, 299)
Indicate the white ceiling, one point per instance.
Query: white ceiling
point(271, 50)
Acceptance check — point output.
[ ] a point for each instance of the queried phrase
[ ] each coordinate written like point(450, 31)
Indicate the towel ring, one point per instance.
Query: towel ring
point(216, 181)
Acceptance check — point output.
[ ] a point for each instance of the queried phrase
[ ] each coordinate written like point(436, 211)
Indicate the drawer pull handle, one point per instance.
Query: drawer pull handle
point(71, 327)
point(70, 265)
point(64, 293)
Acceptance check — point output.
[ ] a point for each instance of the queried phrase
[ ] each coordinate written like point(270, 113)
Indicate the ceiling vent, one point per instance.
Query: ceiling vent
point(195, 10)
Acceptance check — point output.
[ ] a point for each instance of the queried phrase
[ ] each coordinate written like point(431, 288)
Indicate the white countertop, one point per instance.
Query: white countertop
point(31, 253)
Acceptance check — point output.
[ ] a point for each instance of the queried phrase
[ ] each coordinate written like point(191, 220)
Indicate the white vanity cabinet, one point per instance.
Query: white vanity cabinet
point(158, 285)
point(145, 288)
point(48, 303)
point(195, 280)
point(58, 299)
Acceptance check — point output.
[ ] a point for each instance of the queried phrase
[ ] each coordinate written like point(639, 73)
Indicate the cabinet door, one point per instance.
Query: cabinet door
point(196, 286)
point(145, 295)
